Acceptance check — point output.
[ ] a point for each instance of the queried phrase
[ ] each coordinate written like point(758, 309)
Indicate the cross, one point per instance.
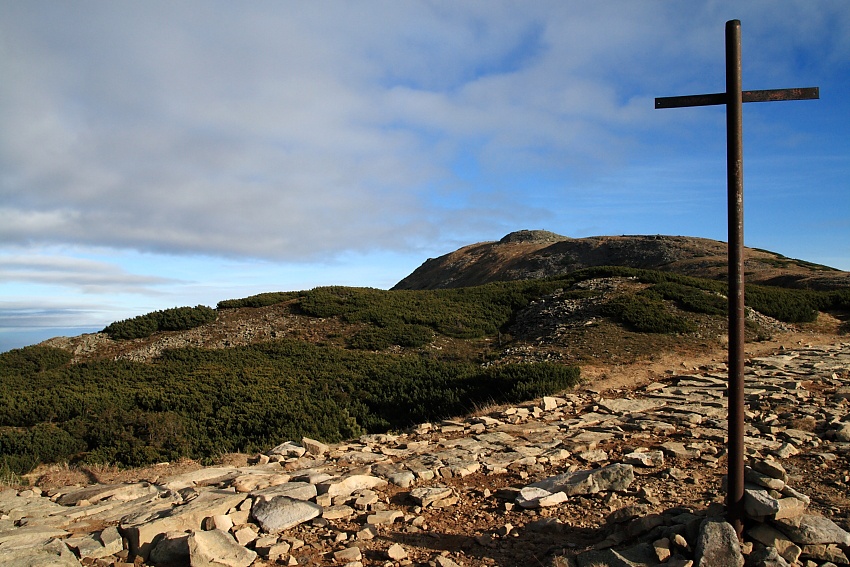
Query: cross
point(733, 99)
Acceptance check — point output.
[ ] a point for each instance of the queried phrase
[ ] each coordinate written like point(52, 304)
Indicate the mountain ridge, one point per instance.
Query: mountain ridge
point(528, 254)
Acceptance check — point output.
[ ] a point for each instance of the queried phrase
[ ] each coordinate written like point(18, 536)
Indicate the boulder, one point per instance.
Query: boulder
point(717, 545)
point(282, 512)
point(218, 549)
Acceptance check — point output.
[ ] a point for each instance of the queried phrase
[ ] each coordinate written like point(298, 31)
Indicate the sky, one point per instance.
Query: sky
point(159, 154)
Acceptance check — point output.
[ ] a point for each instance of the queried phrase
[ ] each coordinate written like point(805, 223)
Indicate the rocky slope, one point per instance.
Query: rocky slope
point(592, 477)
point(535, 253)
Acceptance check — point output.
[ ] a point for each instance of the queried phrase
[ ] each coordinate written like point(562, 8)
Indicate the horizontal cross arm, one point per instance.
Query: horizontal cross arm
point(690, 100)
point(807, 93)
point(713, 99)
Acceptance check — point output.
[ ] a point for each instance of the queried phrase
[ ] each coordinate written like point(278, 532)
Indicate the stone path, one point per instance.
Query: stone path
point(581, 479)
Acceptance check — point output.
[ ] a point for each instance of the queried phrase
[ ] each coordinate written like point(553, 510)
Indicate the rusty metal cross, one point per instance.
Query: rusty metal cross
point(733, 99)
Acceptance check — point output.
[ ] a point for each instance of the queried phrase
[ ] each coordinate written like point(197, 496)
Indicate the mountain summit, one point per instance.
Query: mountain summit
point(528, 254)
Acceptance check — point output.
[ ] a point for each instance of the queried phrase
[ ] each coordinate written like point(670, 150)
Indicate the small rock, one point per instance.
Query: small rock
point(645, 458)
point(717, 545)
point(662, 549)
point(348, 554)
point(288, 449)
point(313, 447)
point(426, 496)
point(396, 552)
point(383, 517)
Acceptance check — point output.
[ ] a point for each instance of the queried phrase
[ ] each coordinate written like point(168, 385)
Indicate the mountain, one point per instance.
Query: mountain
point(528, 254)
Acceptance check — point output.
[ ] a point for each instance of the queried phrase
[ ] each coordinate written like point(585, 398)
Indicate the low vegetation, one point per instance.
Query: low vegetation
point(199, 403)
point(176, 319)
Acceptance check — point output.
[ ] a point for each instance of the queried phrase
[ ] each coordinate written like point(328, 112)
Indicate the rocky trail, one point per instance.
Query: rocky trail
point(593, 477)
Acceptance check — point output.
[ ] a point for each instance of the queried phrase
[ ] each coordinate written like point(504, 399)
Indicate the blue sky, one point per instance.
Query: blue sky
point(160, 154)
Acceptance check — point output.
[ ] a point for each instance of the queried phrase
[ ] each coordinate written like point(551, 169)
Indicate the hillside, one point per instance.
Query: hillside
point(343, 370)
point(529, 254)
point(336, 362)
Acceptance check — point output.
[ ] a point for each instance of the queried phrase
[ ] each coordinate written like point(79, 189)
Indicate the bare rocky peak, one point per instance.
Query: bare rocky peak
point(528, 254)
point(532, 236)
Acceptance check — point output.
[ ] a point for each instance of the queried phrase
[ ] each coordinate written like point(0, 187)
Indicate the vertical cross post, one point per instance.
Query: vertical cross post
point(733, 98)
point(735, 251)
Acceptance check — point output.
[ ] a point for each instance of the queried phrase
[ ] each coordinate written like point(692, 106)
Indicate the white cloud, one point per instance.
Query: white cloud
point(81, 274)
point(295, 131)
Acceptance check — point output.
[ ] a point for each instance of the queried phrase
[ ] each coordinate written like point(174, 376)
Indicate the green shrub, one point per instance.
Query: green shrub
point(791, 306)
point(259, 300)
point(380, 338)
point(647, 315)
point(33, 359)
point(199, 403)
point(690, 298)
point(176, 319)
point(24, 448)
point(463, 313)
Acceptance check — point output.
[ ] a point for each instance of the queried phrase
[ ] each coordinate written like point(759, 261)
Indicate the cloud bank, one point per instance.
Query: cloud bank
point(290, 131)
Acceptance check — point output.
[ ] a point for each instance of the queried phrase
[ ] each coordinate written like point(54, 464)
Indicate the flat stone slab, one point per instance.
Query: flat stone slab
point(614, 477)
point(383, 517)
point(810, 529)
point(426, 496)
point(201, 477)
point(296, 490)
point(349, 485)
point(645, 458)
point(251, 482)
point(641, 555)
point(52, 554)
point(627, 406)
point(534, 497)
point(98, 492)
point(282, 512)
point(26, 537)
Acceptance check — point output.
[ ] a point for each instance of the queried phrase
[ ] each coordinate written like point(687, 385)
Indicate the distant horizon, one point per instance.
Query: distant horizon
point(18, 338)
